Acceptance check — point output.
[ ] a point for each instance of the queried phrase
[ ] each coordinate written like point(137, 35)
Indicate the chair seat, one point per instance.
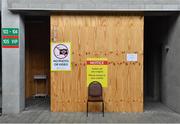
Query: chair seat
point(95, 99)
point(95, 94)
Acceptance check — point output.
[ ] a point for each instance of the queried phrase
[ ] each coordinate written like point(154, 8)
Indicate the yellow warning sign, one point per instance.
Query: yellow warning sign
point(97, 70)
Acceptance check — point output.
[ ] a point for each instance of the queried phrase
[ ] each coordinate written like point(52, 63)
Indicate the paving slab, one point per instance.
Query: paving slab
point(155, 112)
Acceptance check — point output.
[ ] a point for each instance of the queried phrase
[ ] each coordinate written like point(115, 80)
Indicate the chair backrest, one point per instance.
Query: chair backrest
point(95, 89)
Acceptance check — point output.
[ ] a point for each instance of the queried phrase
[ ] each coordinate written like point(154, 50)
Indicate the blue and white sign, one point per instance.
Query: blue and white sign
point(131, 57)
point(61, 56)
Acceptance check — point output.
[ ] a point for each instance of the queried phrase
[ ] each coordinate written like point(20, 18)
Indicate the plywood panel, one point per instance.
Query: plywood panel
point(108, 36)
point(37, 54)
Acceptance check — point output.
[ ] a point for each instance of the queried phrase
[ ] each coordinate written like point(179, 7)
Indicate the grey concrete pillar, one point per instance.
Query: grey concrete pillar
point(171, 66)
point(13, 68)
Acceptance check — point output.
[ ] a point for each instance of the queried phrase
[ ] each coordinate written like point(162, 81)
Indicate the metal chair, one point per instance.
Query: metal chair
point(95, 91)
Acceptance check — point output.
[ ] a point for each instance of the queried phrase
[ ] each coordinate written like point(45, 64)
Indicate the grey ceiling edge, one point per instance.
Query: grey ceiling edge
point(94, 5)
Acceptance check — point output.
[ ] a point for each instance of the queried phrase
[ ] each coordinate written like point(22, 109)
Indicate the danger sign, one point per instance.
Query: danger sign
point(97, 70)
point(61, 56)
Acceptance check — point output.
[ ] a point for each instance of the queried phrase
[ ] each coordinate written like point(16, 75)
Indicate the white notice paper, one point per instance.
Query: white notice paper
point(131, 57)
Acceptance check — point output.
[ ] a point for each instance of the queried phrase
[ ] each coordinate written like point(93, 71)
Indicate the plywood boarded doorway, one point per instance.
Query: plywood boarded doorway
point(37, 34)
point(111, 36)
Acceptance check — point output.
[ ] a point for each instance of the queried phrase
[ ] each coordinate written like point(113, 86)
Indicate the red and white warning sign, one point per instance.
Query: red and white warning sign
point(97, 70)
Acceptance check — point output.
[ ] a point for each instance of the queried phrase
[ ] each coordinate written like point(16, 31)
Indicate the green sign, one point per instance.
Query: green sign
point(10, 42)
point(10, 31)
point(10, 38)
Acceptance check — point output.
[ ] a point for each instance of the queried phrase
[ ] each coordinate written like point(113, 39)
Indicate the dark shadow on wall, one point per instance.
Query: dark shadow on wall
point(155, 34)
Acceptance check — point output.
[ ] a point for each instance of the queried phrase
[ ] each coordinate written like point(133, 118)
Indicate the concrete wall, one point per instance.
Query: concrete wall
point(162, 67)
point(171, 65)
point(104, 5)
point(154, 35)
point(12, 65)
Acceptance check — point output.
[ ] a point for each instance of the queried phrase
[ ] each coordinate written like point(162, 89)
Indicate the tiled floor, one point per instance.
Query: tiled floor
point(37, 111)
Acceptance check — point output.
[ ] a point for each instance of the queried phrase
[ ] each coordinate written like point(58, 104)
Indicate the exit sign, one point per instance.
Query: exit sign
point(10, 38)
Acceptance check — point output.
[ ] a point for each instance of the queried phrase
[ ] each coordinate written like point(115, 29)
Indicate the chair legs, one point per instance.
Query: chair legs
point(102, 109)
point(87, 110)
